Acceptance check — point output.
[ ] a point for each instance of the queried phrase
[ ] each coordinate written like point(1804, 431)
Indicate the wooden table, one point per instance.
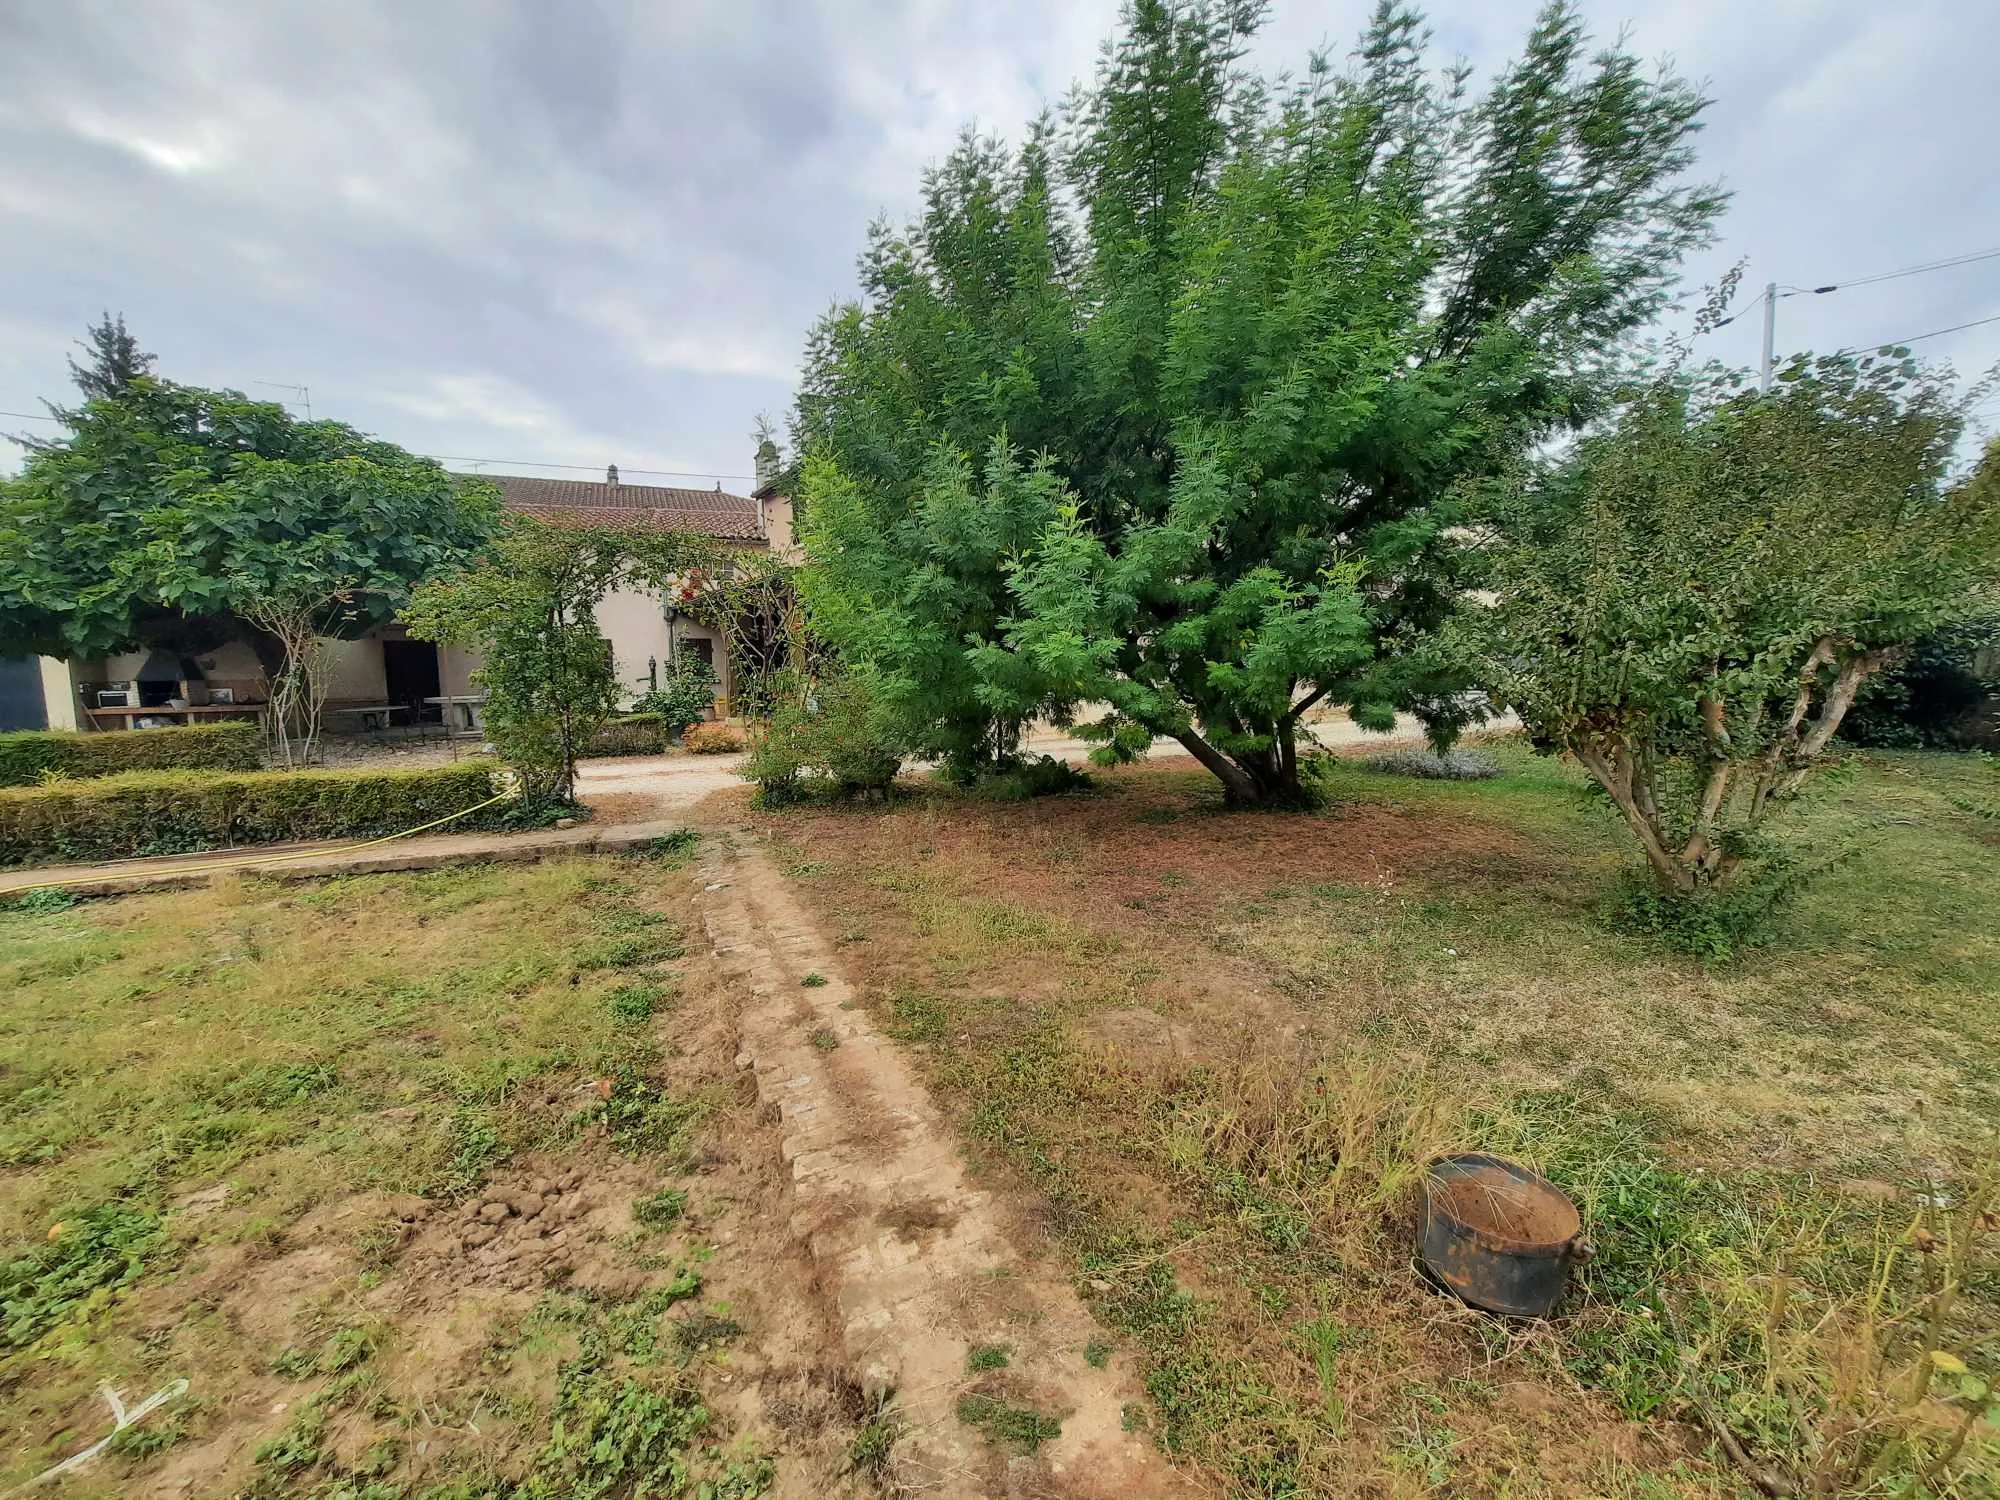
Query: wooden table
point(190, 715)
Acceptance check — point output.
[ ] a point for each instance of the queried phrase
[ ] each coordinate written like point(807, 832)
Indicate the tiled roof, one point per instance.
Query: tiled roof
point(587, 502)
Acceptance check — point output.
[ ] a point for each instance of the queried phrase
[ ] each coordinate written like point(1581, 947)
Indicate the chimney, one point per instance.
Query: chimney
point(611, 475)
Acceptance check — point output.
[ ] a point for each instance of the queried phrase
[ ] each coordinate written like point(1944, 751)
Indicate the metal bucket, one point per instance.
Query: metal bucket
point(1497, 1235)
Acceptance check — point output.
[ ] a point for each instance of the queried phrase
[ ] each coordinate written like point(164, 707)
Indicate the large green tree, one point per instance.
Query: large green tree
point(172, 515)
point(1168, 408)
point(1689, 600)
point(529, 604)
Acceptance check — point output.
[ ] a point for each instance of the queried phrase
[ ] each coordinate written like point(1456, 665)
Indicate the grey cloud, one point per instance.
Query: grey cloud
point(582, 232)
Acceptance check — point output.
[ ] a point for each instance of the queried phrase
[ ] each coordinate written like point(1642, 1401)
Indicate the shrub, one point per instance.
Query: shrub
point(713, 739)
point(26, 755)
point(1451, 765)
point(688, 697)
point(828, 745)
point(631, 734)
point(1044, 776)
point(174, 812)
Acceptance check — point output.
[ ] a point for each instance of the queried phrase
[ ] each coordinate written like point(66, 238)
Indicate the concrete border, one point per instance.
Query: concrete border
point(318, 861)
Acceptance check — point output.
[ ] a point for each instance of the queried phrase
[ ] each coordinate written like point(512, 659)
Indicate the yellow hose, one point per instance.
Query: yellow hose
point(244, 862)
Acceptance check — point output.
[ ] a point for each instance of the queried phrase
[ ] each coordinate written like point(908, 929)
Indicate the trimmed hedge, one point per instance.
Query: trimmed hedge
point(26, 754)
point(175, 812)
point(631, 734)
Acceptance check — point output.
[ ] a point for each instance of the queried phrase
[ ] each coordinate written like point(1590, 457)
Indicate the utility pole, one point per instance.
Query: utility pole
point(1770, 334)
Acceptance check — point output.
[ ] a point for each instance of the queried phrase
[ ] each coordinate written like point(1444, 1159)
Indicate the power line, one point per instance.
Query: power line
point(29, 416)
point(1919, 337)
point(1970, 258)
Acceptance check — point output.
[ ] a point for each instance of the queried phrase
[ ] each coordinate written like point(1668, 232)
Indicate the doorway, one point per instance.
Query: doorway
point(410, 675)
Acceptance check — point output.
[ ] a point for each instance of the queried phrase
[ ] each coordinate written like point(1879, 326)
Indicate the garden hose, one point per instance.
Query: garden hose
point(244, 862)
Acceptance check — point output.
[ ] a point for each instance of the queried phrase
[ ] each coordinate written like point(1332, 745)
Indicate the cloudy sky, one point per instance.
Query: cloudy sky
point(583, 231)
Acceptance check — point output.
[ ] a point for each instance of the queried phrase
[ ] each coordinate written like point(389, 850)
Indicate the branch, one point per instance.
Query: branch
point(1615, 776)
point(1292, 713)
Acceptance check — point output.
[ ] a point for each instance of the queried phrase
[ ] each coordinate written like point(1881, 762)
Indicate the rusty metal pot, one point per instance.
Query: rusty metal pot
point(1497, 1235)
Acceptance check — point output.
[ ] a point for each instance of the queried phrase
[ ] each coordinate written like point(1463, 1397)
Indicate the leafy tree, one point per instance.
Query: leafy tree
point(530, 605)
point(1168, 409)
point(116, 361)
point(167, 514)
point(1689, 601)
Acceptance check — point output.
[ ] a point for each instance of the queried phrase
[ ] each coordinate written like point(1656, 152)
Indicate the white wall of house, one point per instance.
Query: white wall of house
point(354, 670)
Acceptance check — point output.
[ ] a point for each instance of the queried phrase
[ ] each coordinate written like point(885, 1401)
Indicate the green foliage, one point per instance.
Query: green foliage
point(634, 1004)
point(166, 510)
point(30, 756)
point(1169, 410)
point(172, 812)
point(1944, 696)
point(661, 1210)
point(1016, 1424)
point(869, 1452)
point(43, 902)
point(1097, 1352)
point(530, 605)
point(116, 361)
point(1043, 776)
point(89, 1260)
point(1690, 600)
point(643, 733)
point(830, 741)
point(983, 1357)
point(673, 850)
point(687, 698)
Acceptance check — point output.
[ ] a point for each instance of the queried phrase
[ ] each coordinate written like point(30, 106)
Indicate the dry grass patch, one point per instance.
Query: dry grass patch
point(1216, 1045)
point(380, 1166)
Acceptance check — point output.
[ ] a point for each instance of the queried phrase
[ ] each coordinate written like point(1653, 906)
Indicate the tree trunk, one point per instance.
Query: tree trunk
point(1615, 774)
point(1238, 789)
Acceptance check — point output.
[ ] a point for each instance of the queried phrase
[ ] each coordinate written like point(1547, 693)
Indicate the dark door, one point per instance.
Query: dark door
point(21, 695)
point(410, 672)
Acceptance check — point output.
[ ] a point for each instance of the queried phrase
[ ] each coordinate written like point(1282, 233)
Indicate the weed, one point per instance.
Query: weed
point(916, 1018)
point(44, 901)
point(869, 1452)
point(1323, 1338)
point(476, 1147)
point(824, 1038)
point(643, 1118)
point(982, 1357)
point(671, 850)
point(813, 980)
point(703, 1330)
point(82, 1266)
point(629, 952)
point(635, 1003)
point(661, 1210)
point(1019, 1426)
point(1097, 1353)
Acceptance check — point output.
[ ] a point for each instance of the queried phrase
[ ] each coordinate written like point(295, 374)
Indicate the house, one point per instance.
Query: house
point(386, 668)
